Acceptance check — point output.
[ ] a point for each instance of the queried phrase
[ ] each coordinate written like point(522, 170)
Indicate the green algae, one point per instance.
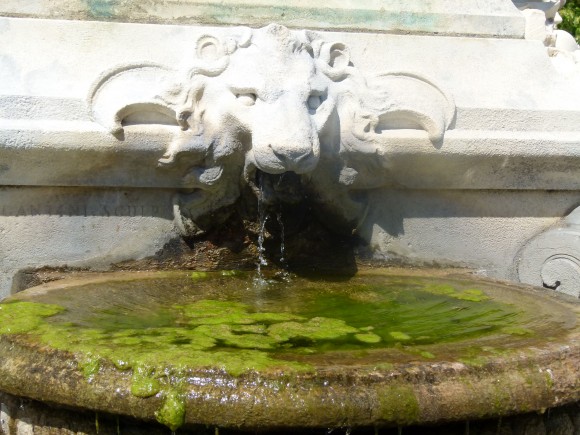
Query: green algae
point(400, 336)
point(89, 366)
point(184, 333)
point(472, 295)
point(517, 330)
point(172, 412)
point(144, 382)
point(19, 316)
point(426, 354)
point(199, 275)
point(318, 328)
point(399, 404)
point(368, 337)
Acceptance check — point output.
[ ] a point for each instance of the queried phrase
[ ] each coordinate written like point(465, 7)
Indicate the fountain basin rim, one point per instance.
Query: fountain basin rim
point(411, 393)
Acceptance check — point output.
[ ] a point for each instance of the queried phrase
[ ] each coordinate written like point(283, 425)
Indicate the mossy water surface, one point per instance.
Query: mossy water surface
point(212, 320)
point(163, 327)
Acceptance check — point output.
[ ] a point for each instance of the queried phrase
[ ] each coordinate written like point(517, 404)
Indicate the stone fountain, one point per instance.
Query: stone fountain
point(145, 136)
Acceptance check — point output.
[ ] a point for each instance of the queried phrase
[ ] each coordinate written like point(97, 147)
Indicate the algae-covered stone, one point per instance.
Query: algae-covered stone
point(163, 346)
point(399, 404)
point(172, 412)
point(18, 317)
point(143, 382)
point(89, 365)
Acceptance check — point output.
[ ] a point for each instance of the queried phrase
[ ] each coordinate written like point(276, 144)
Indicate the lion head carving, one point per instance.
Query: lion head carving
point(276, 101)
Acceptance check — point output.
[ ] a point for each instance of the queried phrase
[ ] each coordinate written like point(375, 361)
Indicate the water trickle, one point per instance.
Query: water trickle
point(262, 219)
point(266, 203)
point(282, 248)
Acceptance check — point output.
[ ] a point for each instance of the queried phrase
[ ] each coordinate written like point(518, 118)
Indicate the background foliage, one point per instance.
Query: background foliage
point(571, 18)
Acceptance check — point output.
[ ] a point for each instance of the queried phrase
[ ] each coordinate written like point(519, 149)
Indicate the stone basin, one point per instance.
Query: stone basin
point(386, 347)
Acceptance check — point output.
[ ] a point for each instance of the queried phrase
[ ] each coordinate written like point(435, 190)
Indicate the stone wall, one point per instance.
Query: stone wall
point(438, 133)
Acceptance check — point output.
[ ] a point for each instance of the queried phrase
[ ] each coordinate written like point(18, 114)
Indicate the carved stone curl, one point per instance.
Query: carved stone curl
point(552, 259)
point(275, 101)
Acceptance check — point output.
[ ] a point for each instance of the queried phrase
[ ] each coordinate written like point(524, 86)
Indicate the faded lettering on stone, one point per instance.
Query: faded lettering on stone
point(84, 210)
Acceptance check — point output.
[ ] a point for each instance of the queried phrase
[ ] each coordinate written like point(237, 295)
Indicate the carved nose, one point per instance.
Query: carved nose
point(298, 161)
point(288, 142)
point(290, 156)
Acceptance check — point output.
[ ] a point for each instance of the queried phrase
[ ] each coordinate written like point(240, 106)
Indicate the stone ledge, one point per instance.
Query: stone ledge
point(59, 153)
point(495, 18)
point(21, 414)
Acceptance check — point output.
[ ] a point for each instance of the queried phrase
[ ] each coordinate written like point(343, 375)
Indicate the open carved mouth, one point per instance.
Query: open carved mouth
point(276, 189)
point(284, 199)
point(284, 188)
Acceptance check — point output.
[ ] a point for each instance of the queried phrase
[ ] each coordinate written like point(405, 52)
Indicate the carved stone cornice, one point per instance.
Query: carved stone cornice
point(484, 19)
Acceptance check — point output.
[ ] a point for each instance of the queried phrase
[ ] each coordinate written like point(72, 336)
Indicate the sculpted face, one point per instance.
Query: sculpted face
point(273, 97)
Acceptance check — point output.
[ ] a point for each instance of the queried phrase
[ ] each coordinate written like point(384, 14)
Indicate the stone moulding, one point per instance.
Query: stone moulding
point(368, 397)
point(468, 159)
point(491, 18)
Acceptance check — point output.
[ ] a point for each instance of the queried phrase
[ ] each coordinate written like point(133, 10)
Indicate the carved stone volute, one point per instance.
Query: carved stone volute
point(552, 258)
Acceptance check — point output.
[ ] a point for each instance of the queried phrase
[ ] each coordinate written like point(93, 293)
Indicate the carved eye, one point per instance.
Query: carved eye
point(247, 99)
point(314, 102)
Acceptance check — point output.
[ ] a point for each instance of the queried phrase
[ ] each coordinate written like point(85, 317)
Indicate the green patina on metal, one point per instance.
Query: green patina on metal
point(103, 8)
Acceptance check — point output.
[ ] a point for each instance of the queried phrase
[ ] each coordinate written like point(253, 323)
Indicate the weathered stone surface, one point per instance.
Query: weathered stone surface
point(482, 230)
point(46, 420)
point(552, 259)
point(78, 228)
point(469, 17)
